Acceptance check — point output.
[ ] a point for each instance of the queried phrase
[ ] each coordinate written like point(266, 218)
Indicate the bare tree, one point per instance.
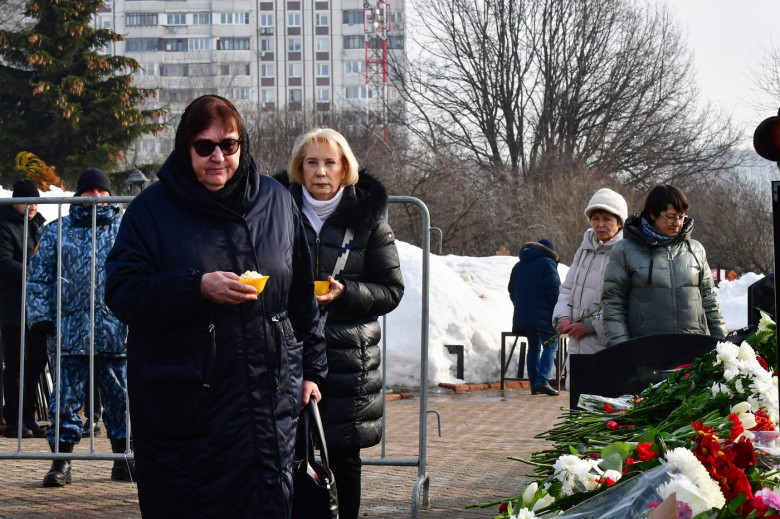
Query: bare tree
point(605, 83)
point(733, 220)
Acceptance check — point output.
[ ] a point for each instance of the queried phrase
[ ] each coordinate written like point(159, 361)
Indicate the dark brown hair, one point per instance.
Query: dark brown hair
point(202, 112)
point(659, 199)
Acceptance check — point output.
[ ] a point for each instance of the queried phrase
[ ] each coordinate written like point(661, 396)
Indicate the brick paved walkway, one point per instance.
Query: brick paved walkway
point(467, 464)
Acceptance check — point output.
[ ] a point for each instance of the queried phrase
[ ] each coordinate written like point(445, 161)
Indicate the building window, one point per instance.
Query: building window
point(200, 44)
point(175, 45)
point(323, 70)
point(267, 96)
point(322, 44)
point(323, 95)
point(266, 45)
point(358, 92)
point(233, 44)
point(177, 19)
point(294, 70)
point(266, 24)
point(395, 42)
point(242, 93)
point(355, 67)
point(321, 20)
point(293, 19)
point(294, 45)
point(234, 18)
point(234, 69)
point(267, 70)
point(353, 17)
point(145, 69)
point(396, 17)
point(141, 44)
point(172, 70)
point(199, 70)
point(201, 19)
point(353, 42)
point(141, 19)
point(296, 95)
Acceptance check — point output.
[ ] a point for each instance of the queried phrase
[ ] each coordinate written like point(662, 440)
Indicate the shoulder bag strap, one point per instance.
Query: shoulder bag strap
point(341, 261)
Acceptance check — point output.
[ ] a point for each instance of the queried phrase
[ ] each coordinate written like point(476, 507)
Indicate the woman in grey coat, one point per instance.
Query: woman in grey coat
point(658, 280)
point(578, 311)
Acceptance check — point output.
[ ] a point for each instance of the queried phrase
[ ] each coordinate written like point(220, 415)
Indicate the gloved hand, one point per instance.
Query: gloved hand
point(42, 329)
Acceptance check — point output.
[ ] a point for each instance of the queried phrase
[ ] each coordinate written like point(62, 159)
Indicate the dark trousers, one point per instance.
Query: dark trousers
point(346, 466)
point(35, 363)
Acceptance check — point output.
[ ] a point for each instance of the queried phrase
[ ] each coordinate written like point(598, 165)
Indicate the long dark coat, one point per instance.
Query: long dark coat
point(11, 255)
point(351, 405)
point(225, 450)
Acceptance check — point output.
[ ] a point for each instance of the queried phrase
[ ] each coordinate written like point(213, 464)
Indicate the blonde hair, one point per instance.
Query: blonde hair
point(322, 136)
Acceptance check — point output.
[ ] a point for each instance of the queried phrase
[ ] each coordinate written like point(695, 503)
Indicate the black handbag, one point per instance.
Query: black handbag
point(314, 493)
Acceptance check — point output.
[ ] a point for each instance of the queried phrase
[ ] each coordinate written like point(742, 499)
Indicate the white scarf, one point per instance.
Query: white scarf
point(317, 211)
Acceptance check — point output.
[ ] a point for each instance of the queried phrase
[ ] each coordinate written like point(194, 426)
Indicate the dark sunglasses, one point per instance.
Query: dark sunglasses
point(205, 148)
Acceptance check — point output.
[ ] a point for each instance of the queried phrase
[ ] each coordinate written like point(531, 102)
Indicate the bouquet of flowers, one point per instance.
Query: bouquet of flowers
point(705, 439)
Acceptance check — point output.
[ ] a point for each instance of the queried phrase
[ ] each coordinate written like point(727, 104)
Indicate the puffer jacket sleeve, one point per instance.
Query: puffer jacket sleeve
point(303, 309)
point(614, 299)
point(137, 291)
point(41, 279)
point(715, 322)
point(382, 287)
point(562, 308)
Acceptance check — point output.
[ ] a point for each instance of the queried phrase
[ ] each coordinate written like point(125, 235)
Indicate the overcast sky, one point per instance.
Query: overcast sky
point(730, 39)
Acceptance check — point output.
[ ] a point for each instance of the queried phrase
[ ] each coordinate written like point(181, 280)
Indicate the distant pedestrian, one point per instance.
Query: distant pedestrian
point(12, 246)
point(78, 325)
point(533, 288)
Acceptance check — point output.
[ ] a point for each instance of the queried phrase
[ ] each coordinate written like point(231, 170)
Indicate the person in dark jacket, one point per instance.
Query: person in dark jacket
point(12, 255)
point(658, 280)
point(217, 372)
point(334, 197)
point(84, 323)
point(534, 286)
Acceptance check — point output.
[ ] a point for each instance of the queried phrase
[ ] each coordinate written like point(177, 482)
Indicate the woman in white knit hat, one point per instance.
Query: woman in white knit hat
point(578, 311)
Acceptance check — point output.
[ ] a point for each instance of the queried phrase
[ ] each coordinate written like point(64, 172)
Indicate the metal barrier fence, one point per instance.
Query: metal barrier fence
point(422, 483)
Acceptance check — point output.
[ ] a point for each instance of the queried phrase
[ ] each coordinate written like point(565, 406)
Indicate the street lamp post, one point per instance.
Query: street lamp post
point(136, 182)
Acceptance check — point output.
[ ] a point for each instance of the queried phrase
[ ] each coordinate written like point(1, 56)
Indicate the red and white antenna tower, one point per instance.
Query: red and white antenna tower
point(376, 23)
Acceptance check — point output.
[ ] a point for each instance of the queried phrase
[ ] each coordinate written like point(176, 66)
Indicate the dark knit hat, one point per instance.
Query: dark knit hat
point(547, 243)
point(92, 178)
point(25, 188)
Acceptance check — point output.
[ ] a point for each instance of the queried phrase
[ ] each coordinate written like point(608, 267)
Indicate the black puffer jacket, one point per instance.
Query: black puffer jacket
point(224, 450)
point(351, 405)
point(11, 252)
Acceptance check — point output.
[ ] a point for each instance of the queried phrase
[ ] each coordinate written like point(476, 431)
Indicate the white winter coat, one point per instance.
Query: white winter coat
point(580, 293)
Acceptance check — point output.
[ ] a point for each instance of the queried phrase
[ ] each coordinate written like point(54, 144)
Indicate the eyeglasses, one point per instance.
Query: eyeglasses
point(205, 148)
point(671, 220)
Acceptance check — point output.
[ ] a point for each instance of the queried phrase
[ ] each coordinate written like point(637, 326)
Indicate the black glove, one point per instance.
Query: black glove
point(42, 329)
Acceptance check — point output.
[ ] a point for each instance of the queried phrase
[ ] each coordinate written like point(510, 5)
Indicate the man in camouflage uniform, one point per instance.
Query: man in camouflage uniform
point(74, 332)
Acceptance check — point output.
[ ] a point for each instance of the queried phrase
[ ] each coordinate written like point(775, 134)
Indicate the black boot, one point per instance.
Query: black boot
point(123, 470)
point(59, 473)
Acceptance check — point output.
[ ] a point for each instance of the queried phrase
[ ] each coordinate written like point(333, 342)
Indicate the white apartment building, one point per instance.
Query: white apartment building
point(298, 55)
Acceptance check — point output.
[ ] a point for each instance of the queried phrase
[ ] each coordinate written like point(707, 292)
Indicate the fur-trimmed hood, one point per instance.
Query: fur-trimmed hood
point(362, 206)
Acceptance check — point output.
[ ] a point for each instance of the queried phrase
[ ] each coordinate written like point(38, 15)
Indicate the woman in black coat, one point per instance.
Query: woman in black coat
point(217, 373)
point(334, 197)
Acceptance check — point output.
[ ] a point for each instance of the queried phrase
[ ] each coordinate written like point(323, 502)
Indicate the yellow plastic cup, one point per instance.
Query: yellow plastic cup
point(321, 287)
point(258, 283)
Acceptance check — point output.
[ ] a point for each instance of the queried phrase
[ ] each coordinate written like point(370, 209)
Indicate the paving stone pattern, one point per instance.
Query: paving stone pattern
point(467, 464)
